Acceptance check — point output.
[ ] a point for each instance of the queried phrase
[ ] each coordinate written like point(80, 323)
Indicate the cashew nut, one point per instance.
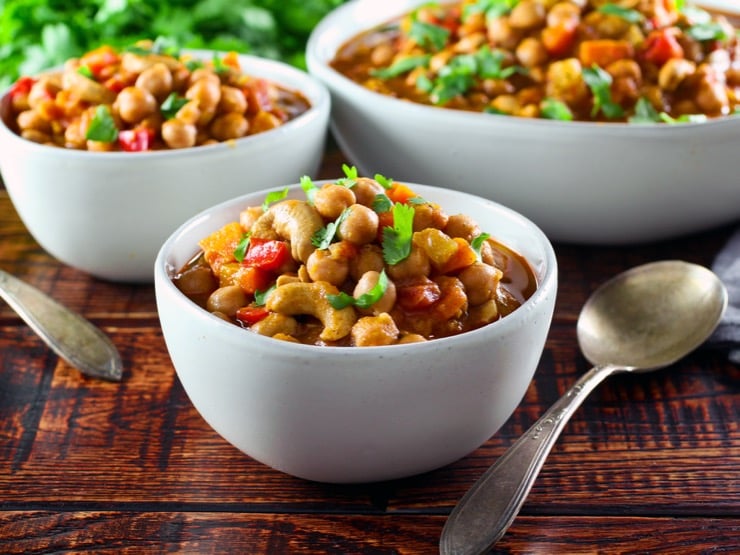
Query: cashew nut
point(311, 298)
point(293, 220)
point(87, 89)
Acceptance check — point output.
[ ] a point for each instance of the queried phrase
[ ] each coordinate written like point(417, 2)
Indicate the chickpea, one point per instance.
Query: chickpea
point(470, 43)
point(227, 300)
point(232, 100)
point(360, 226)
point(506, 103)
point(366, 283)
point(496, 87)
point(157, 79)
point(43, 89)
point(197, 281)
point(204, 73)
point(502, 34)
point(369, 258)
point(410, 338)
point(134, 104)
point(263, 121)
point(566, 14)
point(189, 113)
point(480, 282)
point(323, 265)
point(374, 330)
point(178, 134)
point(531, 52)
point(229, 126)
point(673, 73)
point(366, 190)
point(206, 92)
point(462, 225)
point(527, 14)
point(711, 96)
point(415, 264)
point(381, 55)
point(331, 200)
point(565, 81)
point(36, 136)
point(429, 215)
point(249, 215)
point(31, 119)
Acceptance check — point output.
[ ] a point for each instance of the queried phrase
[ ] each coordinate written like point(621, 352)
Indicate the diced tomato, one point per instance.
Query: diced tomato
point(249, 315)
point(257, 92)
point(559, 39)
point(266, 254)
point(136, 140)
point(252, 279)
point(22, 86)
point(661, 45)
point(452, 298)
point(100, 59)
point(463, 257)
point(417, 294)
point(603, 52)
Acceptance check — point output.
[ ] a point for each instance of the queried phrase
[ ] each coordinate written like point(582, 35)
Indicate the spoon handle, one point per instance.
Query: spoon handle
point(489, 507)
point(69, 335)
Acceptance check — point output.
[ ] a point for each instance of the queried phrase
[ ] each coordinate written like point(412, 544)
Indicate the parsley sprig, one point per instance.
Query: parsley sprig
point(599, 81)
point(366, 300)
point(397, 239)
point(273, 197)
point(102, 126)
point(242, 247)
point(323, 237)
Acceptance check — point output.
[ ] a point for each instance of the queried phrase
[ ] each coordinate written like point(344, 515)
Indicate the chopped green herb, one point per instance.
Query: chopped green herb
point(632, 16)
point(192, 65)
point(397, 239)
point(351, 176)
point(172, 105)
point(86, 72)
point(490, 64)
point(477, 243)
point(453, 79)
point(274, 196)
point(428, 36)
point(491, 8)
point(366, 300)
point(686, 118)
point(706, 31)
point(309, 188)
point(399, 67)
point(555, 109)
point(102, 126)
point(219, 66)
point(382, 203)
point(241, 248)
point(260, 297)
point(324, 236)
point(645, 112)
point(599, 81)
point(386, 182)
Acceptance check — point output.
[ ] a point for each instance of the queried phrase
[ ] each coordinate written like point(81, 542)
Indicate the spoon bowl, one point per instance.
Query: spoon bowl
point(641, 320)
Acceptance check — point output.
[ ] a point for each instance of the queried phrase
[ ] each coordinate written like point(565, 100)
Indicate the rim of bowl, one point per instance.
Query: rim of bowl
point(313, 89)
point(333, 28)
point(547, 285)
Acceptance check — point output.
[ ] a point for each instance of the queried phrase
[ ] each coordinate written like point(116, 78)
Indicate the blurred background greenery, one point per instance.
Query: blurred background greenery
point(38, 34)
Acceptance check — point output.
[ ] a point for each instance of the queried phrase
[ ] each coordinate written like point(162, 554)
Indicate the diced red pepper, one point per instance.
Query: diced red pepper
point(559, 39)
point(136, 140)
point(22, 86)
point(266, 254)
point(661, 45)
point(249, 315)
point(603, 52)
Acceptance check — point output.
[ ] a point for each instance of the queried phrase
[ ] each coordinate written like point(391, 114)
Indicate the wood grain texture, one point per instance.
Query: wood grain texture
point(649, 464)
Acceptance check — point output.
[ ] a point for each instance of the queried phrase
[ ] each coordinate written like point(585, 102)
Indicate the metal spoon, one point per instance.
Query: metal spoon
point(641, 320)
point(69, 335)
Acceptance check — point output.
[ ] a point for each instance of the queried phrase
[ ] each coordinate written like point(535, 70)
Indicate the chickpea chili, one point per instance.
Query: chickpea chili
point(637, 61)
point(360, 262)
point(148, 97)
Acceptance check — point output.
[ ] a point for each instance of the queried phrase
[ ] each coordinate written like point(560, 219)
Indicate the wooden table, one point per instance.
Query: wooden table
point(649, 464)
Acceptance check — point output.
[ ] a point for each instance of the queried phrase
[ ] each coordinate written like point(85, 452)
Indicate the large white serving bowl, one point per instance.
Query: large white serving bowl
point(357, 414)
point(581, 182)
point(108, 213)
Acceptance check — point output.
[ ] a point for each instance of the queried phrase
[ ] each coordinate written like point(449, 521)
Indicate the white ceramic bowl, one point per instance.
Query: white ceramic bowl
point(581, 182)
point(357, 414)
point(108, 213)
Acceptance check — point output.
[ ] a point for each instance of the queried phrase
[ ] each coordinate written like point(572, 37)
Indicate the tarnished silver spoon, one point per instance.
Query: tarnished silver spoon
point(641, 320)
point(69, 335)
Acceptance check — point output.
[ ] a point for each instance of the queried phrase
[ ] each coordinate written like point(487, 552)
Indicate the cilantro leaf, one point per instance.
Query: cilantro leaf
point(428, 36)
point(397, 239)
point(399, 67)
point(555, 109)
point(309, 188)
point(260, 297)
point(102, 126)
point(386, 182)
point(645, 112)
point(274, 196)
point(323, 237)
point(477, 243)
point(172, 105)
point(599, 81)
point(382, 203)
point(351, 176)
point(241, 248)
point(632, 16)
point(85, 71)
point(366, 300)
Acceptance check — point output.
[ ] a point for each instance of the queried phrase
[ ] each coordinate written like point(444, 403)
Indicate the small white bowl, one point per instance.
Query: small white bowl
point(357, 414)
point(108, 213)
point(581, 182)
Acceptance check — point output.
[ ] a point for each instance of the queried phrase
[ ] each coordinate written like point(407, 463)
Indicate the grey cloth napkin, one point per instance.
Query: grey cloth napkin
point(727, 266)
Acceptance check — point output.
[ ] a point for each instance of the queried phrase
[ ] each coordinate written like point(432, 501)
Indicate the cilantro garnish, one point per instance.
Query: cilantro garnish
point(477, 243)
point(172, 105)
point(386, 182)
point(428, 36)
point(599, 81)
point(241, 248)
point(404, 65)
point(350, 179)
point(365, 300)
point(632, 16)
point(260, 297)
point(555, 109)
point(397, 239)
point(706, 31)
point(274, 196)
point(382, 203)
point(490, 64)
point(646, 113)
point(219, 66)
point(102, 126)
point(309, 188)
point(192, 65)
point(491, 8)
point(85, 71)
point(323, 237)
